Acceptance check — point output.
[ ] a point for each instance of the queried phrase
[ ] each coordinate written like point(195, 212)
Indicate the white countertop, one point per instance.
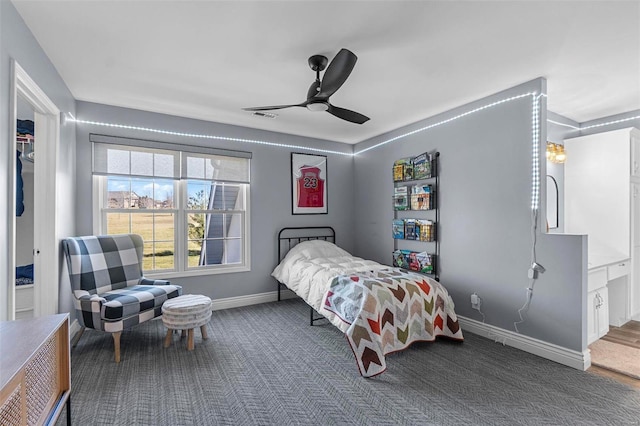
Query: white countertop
point(600, 259)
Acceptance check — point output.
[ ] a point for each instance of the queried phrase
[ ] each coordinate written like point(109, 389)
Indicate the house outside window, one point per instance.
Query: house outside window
point(191, 206)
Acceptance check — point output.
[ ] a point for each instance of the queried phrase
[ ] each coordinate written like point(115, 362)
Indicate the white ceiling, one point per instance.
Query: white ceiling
point(209, 59)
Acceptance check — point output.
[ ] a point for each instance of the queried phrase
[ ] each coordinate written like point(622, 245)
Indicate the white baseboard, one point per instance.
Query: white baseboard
point(564, 356)
point(74, 329)
point(568, 357)
point(220, 304)
point(251, 299)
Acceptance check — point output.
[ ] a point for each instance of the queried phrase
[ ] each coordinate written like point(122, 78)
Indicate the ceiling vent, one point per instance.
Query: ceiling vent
point(265, 114)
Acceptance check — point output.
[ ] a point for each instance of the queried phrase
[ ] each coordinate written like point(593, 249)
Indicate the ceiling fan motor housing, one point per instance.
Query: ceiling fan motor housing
point(318, 62)
point(317, 106)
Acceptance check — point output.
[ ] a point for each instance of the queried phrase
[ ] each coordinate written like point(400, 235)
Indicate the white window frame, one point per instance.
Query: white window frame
point(181, 259)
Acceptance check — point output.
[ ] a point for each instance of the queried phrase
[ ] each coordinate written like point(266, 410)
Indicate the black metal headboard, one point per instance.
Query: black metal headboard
point(291, 236)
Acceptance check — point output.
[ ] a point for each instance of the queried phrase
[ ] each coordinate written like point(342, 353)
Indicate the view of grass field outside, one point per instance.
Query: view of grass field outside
point(156, 229)
point(146, 207)
point(188, 206)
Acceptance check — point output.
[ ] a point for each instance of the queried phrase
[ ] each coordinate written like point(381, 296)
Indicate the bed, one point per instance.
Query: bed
point(380, 309)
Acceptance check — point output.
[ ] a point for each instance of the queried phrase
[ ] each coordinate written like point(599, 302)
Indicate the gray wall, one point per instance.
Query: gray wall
point(485, 229)
point(270, 189)
point(17, 42)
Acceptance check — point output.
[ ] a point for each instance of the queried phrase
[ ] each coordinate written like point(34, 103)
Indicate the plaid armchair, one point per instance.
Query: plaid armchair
point(110, 293)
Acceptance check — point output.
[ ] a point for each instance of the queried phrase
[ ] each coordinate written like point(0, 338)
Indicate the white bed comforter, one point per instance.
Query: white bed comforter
point(310, 266)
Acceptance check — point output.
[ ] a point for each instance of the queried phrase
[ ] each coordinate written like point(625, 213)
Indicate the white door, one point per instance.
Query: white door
point(46, 244)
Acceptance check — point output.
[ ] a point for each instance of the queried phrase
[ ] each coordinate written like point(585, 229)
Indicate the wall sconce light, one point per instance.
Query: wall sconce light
point(555, 153)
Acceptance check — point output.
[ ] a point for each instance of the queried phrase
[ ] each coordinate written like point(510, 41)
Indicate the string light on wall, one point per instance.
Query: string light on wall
point(555, 153)
point(535, 190)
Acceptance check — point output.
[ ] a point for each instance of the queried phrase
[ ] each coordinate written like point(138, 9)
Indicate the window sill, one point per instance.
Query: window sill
point(197, 273)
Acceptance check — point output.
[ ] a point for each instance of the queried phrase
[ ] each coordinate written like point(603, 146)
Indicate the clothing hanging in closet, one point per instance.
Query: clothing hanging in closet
point(19, 187)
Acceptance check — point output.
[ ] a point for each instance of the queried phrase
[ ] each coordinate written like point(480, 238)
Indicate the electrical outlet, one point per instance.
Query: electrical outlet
point(475, 301)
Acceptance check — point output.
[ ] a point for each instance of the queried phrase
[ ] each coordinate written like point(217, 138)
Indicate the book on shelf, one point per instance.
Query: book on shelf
point(422, 166)
point(398, 229)
point(425, 230)
point(401, 198)
point(398, 172)
point(401, 258)
point(421, 197)
point(410, 229)
point(414, 261)
point(421, 262)
point(401, 169)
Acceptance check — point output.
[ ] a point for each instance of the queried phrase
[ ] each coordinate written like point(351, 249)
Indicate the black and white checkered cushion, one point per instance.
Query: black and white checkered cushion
point(106, 278)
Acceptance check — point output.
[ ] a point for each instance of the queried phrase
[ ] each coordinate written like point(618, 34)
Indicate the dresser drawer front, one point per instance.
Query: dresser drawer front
point(597, 279)
point(619, 270)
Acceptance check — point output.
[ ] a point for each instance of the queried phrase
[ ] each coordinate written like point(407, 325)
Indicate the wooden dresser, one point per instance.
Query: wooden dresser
point(35, 370)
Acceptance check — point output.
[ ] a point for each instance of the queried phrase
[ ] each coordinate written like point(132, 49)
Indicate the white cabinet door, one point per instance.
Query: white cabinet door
point(603, 311)
point(634, 278)
point(597, 314)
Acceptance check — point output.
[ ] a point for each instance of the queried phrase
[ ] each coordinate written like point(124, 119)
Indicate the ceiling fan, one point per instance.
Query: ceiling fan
point(320, 90)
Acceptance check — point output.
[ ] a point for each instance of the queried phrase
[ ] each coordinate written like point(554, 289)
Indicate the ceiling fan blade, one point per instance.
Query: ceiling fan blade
point(337, 73)
point(266, 108)
point(348, 115)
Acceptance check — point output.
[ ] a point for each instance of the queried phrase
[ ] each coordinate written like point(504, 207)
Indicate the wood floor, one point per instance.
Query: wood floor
point(628, 335)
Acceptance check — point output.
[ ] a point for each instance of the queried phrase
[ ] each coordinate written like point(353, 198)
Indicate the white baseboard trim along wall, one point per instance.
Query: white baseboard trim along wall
point(74, 328)
point(227, 303)
point(251, 299)
point(564, 356)
point(568, 357)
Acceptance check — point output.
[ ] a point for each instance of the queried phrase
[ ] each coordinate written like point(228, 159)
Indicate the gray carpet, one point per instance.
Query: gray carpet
point(265, 365)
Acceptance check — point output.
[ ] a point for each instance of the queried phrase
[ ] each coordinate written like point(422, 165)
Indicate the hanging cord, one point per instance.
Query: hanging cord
point(532, 281)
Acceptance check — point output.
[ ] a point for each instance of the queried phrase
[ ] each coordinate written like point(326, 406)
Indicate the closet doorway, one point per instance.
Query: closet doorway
point(34, 172)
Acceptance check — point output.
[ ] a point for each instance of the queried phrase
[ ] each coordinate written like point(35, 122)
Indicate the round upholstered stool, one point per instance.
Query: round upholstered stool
point(186, 313)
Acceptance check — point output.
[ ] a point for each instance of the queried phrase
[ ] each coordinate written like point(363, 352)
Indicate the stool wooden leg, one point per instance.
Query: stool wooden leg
point(167, 340)
point(203, 331)
point(190, 344)
point(184, 333)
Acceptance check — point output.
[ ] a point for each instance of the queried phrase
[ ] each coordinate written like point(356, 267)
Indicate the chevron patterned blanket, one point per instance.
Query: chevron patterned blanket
point(388, 310)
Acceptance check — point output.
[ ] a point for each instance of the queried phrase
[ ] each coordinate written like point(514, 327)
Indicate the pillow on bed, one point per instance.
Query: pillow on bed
point(317, 248)
point(306, 250)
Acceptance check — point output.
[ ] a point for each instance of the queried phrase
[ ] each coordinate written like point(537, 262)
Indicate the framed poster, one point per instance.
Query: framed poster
point(308, 183)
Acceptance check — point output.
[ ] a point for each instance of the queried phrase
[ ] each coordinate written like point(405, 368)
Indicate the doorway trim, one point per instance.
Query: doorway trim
point(46, 243)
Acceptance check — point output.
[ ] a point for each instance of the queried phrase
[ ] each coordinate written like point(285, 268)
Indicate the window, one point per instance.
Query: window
point(190, 206)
